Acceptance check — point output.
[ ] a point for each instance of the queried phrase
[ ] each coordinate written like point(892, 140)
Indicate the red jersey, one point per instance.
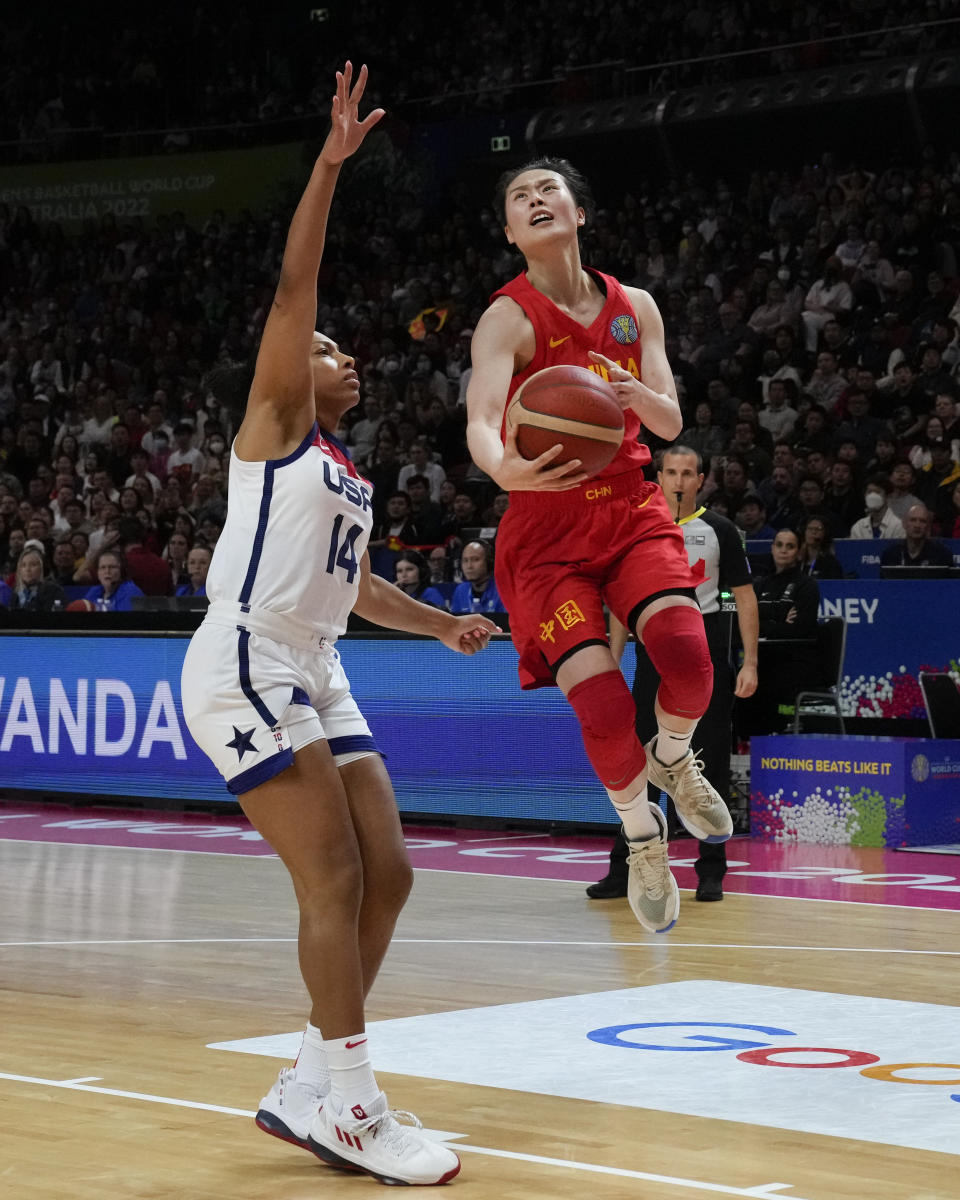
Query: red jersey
point(560, 340)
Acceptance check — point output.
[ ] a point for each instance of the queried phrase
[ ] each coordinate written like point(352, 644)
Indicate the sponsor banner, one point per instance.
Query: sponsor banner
point(863, 1067)
point(102, 715)
point(858, 791)
point(895, 630)
point(74, 193)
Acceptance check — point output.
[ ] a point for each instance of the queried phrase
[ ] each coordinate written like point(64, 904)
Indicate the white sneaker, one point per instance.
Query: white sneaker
point(288, 1108)
point(376, 1142)
point(698, 803)
point(652, 891)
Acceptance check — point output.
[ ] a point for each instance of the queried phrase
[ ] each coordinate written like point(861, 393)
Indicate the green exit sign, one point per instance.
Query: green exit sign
point(500, 143)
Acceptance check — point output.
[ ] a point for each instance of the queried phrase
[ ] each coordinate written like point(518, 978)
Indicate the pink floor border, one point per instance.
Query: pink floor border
point(808, 872)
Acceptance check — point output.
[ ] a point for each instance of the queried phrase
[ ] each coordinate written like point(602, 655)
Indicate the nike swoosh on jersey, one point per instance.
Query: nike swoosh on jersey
point(555, 341)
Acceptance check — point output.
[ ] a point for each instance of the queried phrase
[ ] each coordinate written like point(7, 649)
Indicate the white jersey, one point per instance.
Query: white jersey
point(296, 530)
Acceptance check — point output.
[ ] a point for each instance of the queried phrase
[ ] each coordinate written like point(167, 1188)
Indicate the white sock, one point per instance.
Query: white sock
point(311, 1062)
point(670, 745)
point(638, 821)
point(352, 1081)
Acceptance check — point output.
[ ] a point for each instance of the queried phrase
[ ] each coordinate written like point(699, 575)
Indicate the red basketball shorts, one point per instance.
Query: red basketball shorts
point(562, 555)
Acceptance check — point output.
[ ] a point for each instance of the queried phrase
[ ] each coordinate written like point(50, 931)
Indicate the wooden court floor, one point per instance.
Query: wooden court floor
point(119, 967)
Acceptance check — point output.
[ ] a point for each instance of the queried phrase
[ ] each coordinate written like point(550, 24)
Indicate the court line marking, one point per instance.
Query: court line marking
point(492, 942)
point(271, 857)
point(507, 837)
point(731, 876)
point(757, 1191)
point(71, 1086)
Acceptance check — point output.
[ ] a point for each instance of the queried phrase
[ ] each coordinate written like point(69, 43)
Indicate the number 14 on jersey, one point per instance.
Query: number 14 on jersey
point(343, 553)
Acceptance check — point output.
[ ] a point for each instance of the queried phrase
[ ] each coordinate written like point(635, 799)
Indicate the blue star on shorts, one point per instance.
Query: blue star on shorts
point(242, 742)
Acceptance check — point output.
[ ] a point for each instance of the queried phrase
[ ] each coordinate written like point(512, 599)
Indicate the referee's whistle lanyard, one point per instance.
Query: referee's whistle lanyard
point(693, 516)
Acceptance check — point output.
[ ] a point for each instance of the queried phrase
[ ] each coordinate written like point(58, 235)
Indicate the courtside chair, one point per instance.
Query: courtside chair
point(831, 647)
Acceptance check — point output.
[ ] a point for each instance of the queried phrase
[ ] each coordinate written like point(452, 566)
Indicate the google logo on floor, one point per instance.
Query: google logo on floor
point(762, 1054)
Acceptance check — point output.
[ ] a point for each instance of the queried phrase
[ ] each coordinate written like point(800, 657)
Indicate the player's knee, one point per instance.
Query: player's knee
point(677, 645)
point(388, 891)
point(334, 883)
point(606, 712)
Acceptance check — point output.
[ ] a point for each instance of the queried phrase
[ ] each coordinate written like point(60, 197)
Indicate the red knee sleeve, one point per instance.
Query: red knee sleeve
point(606, 713)
point(677, 646)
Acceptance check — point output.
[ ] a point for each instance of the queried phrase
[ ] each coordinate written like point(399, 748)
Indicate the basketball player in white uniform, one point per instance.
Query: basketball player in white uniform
point(265, 697)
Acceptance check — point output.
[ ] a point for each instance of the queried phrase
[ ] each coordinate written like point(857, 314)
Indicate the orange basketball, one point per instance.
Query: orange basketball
point(571, 406)
point(79, 606)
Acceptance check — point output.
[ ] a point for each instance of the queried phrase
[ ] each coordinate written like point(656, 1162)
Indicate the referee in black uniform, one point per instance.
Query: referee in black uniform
point(717, 557)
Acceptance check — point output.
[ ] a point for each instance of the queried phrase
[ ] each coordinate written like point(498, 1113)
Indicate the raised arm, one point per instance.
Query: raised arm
point(504, 336)
point(653, 397)
point(280, 409)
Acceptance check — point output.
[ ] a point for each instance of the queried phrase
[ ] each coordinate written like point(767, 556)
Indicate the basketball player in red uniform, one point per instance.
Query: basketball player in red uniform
point(568, 545)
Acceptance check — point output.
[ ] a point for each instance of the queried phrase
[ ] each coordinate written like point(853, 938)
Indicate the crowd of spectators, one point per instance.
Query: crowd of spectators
point(811, 321)
point(226, 64)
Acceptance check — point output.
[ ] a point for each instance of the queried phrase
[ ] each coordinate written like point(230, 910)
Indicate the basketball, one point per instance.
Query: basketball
point(79, 606)
point(571, 406)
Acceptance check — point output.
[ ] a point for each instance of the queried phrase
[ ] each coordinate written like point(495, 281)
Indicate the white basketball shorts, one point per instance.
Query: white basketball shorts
point(250, 702)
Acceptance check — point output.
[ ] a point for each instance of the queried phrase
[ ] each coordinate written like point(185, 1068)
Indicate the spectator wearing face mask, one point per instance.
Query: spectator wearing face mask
point(880, 521)
point(214, 445)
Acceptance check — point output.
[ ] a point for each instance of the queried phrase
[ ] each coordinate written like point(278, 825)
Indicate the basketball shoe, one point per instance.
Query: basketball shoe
point(652, 891)
point(699, 805)
point(288, 1108)
point(376, 1142)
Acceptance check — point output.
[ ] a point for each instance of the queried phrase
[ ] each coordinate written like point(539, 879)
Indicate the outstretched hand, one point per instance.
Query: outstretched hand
point(347, 131)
